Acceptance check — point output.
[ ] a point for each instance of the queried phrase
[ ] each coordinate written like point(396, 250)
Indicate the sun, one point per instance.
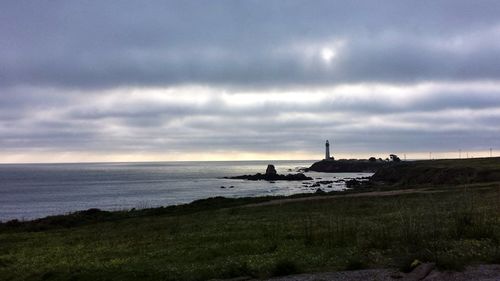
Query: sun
point(327, 54)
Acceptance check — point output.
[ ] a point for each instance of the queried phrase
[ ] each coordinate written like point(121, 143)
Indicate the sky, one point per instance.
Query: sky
point(125, 80)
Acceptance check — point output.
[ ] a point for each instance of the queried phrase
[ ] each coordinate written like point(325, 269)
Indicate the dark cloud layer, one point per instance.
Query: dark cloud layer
point(257, 76)
point(245, 43)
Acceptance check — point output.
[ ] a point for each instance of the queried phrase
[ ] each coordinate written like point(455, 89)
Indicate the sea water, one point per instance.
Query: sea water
point(29, 191)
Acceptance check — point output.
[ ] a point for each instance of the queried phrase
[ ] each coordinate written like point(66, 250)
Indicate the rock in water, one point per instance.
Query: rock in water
point(320, 191)
point(271, 171)
point(272, 175)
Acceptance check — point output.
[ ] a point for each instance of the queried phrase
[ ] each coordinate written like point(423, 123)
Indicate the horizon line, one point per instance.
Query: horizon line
point(253, 160)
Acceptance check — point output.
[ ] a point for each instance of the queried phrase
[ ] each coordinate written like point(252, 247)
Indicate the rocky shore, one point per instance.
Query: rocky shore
point(272, 175)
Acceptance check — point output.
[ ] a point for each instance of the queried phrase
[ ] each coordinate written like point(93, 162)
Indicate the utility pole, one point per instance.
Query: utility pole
point(459, 154)
point(491, 152)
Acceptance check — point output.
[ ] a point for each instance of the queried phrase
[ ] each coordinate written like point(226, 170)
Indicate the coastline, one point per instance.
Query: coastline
point(379, 226)
point(262, 237)
point(34, 191)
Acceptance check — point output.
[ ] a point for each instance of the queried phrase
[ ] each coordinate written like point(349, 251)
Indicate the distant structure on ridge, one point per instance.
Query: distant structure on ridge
point(327, 151)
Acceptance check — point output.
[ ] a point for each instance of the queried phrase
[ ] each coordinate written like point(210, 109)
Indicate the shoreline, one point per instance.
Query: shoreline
point(34, 192)
point(221, 202)
point(400, 175)
point(380, 227)
point(207, 202)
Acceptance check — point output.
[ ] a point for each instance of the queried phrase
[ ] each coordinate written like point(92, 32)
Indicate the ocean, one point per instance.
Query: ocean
point(29, 191)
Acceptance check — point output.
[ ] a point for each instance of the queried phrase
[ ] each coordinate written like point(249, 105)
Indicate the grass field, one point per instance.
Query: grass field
point(221, 238)
point(440, 172)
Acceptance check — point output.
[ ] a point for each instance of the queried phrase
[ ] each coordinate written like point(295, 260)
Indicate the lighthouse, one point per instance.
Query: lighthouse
point(327, 150)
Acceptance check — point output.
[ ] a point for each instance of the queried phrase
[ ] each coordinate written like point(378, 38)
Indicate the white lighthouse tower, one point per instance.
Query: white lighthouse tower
point(327, 150)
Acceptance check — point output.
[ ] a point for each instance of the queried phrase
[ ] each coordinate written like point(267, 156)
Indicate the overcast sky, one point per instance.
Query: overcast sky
point(232, 80)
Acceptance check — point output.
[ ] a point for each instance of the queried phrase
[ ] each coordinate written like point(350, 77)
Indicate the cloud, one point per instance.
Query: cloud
point(248, 76)
point(246, 44)
point(359, 118)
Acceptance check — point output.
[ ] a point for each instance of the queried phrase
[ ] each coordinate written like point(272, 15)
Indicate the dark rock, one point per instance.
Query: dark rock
point(352, 183)
point(272, 176)
point(222, 186)
point(232, 186)
point(325, 182)
point(270, 171)
point(319, 191)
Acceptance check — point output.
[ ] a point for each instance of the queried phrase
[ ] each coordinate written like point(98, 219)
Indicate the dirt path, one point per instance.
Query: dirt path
point(361, 194)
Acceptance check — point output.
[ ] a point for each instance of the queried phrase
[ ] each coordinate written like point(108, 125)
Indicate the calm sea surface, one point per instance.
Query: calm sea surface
point(30, 191)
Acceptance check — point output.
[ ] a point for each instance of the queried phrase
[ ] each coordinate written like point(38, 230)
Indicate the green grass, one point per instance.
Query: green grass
point(219, 238)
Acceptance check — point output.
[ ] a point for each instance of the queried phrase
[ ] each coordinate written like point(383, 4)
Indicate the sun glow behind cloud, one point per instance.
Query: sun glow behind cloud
point(327, 55)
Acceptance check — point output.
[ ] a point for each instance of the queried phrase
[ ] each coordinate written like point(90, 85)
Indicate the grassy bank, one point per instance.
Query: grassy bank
point(221, 238)
point(439, 172)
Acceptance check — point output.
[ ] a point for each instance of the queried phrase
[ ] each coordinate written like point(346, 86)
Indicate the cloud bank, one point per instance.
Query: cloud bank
point(243, 79)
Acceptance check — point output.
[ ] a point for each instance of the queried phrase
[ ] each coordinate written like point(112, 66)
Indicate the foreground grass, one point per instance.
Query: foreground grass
point(454, 227)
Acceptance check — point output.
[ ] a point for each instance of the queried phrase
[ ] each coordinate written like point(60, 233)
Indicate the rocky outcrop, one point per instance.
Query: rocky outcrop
point(271, 170)
point(272, 175)
point(353, 183)
point(347, 166)
point(275, 177)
